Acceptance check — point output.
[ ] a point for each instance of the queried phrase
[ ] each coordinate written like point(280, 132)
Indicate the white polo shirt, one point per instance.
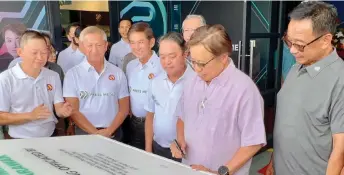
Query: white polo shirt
point(69, 58)
point(163, 97)
point(21, 93)
point(98, 93)
point(138, 81)
point(117, 53)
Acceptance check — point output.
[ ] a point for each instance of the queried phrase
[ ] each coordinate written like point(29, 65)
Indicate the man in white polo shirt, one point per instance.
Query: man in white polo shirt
point(29, 92)
point(71, 56)
point(120, 49)
point(139, 72)
point(96, 89)
point(163, 95)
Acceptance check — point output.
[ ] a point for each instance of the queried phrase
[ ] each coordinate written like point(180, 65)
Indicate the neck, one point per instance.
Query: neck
point(145, 60)
point(175, 77)
point(98, 65)
point(28, 70)
point(74, 47)
point(125, 40)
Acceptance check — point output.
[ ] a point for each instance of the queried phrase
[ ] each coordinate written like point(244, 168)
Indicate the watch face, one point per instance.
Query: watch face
point(223, 170)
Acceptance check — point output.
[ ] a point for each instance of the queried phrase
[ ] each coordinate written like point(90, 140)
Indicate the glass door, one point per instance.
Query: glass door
point(261, 51)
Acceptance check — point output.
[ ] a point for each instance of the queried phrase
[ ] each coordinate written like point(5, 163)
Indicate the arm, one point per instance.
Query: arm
point(251, 125)
point(336, 161)
point(149, 131)
point(121, 115)
point(79, 119)
point(7, 118)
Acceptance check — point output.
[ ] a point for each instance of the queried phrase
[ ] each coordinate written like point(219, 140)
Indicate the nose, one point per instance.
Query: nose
point(293, 50)
point(16, 44)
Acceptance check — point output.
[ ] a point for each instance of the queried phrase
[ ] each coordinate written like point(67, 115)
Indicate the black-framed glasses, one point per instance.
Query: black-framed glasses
point(299, 47)
point(199, 64)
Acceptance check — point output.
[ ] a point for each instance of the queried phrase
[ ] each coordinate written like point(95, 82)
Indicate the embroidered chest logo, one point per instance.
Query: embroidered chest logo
point(151, 76)
point(49, 87)
point(111, 77)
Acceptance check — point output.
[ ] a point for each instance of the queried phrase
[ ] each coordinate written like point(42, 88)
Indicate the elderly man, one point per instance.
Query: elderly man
point(29, 92)
point(309, 125)
point(96, 89)
point(190, 24)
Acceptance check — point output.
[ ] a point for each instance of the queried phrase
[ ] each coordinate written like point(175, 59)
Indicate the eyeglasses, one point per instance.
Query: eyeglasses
point(198, 64)
point(299, 47)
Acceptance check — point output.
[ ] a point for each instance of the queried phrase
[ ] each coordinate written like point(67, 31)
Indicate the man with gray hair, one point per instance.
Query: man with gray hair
point(190, 24)
point(96, 89)
point(309, 125)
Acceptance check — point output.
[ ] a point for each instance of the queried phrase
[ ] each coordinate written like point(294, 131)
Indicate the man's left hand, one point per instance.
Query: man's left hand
point(203, 168)
point(65, 110)
point(105, 132)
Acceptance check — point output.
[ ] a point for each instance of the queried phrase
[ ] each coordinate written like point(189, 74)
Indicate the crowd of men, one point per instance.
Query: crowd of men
point(188, 102)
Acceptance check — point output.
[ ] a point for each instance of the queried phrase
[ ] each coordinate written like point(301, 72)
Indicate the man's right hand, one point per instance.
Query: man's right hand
point(40, 112)
point(175, 151)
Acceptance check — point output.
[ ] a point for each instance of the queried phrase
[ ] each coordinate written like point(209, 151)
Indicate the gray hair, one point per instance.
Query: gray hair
point(200, 17)
point(175, 37)
point(30, 35)
point(92, 30)
point(322, 15)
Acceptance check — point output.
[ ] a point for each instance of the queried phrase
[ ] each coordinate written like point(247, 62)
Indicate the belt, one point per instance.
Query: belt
point(140, 119)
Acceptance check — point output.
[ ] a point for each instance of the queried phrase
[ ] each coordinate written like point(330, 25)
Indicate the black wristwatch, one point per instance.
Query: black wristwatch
point(223, 170)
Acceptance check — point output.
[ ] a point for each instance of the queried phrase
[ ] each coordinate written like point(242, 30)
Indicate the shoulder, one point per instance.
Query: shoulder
point(133, 63)
point(6, 75)
point(116, 45)
point(50, 73)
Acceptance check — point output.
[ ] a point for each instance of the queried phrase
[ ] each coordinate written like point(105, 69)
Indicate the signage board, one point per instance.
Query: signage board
point(82, 155)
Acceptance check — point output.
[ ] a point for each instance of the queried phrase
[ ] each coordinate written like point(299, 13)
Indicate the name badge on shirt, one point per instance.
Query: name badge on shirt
point(151, 76)
point(49, 87)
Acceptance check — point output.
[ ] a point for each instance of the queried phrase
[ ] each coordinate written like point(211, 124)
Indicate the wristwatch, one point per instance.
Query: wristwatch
point(223, 170)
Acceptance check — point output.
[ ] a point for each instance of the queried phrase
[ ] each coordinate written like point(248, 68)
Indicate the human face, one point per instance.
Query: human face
point(94, 46)
point(71, 34)
point(205, 64)
point(189, 27)
point(172, 57)
point(306, 46)
point(140, 45)
point(123, 28)
point(34, 53)
point(12, 43)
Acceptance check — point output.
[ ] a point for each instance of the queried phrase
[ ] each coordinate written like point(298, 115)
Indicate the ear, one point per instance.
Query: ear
point(106, 45)
point(327, 40)
point(224, 57)
point(69, 38)
point(19, 51)
point(152, 42)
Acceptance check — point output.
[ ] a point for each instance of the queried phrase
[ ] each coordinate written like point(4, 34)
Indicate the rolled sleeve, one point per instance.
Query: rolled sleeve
point(69, 85)
point(150, 105)
point(337, 111)
point(5, 100)
point(58, 98)
point(251, 118)
point(123, 92)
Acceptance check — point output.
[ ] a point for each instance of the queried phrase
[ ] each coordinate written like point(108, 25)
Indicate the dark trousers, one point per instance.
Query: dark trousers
point(137, 125)
point(116, 136)
point(164, 152)
point(126, 130)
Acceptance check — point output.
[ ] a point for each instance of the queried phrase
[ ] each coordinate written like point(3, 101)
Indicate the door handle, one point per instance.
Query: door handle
point(239, 56)
point(252, 45)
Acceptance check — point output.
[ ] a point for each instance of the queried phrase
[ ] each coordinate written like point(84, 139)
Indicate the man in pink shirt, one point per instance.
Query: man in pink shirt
point(221, 124)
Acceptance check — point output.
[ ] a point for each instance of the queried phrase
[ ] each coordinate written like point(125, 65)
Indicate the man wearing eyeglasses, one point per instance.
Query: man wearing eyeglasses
point(309, 125)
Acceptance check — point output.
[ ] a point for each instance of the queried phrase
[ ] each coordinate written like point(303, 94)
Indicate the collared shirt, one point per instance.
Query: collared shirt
point(50, 65)
point(139, 77)
point(129, 57)
point(163, 97)
point(69, 58)
point(21, 93)
point(220, 118)
point(309, 111)
point(117, 53)
point(98, 93)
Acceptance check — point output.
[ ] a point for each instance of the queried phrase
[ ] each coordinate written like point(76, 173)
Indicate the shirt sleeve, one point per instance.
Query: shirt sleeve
point(337, 110)
point(5, 100)
point(180, 108)
point(123, 91)
point(251, 117)
point(69, 85)
point(58, 98)
point(150, 104)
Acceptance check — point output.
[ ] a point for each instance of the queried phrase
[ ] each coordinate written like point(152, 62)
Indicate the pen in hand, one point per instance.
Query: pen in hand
point(179, 148)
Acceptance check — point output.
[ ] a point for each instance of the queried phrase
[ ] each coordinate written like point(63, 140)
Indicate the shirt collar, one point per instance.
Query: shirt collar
point(187, 72)
point(314, 69)
point(153, 60)
point(88, 67)
point(20, 74)
point(224, 75)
